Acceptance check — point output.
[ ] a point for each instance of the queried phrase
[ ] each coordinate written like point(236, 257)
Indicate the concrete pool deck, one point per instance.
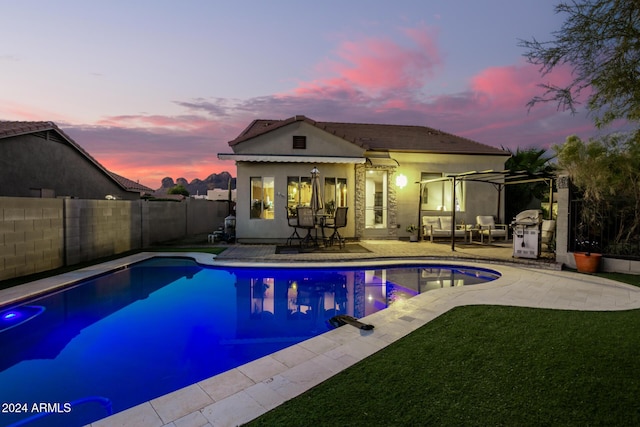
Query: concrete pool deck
point(244, 393)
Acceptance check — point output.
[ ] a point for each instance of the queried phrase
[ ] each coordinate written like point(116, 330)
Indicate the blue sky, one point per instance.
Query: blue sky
point(157, 88)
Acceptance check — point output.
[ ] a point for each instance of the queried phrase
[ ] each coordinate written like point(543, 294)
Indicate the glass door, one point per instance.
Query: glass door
point(376, 199)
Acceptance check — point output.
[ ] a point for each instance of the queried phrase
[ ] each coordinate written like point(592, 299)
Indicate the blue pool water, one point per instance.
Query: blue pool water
point(121, 339)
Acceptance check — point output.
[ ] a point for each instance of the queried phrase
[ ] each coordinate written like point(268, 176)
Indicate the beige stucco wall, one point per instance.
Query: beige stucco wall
point(277, 230)
point(402, 203)
point(481, 198)
point(280, 142)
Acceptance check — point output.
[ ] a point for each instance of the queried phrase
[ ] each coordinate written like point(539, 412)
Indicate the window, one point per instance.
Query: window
point(376, 199)
point(299, 141)
point(437, 196)
point(335, 194)
point(262, 296)
point(262, 197)
point(298, 192)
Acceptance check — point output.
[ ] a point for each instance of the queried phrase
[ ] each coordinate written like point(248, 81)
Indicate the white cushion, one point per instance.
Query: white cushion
point(431, 221)
point(485, 221)
point(445, 223)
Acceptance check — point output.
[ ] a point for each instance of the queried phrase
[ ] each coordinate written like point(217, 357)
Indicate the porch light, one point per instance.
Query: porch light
point(401, 181)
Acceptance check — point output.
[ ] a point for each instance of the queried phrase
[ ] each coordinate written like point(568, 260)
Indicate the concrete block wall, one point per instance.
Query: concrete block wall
point(205, 216)
point(166, 221)
point(42, 234)
point(31, 236)
point(99, 228)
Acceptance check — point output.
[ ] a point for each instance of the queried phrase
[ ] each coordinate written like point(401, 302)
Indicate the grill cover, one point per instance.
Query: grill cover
point(531, 217)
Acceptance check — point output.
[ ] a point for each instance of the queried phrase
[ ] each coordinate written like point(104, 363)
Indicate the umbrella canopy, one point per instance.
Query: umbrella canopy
point(316, 191)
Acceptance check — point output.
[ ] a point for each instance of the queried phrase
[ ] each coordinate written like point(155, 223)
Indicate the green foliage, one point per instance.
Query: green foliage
point(600, 41)
point(533, 161)
point(179, 189)
point(606, 170)
point(605, 167)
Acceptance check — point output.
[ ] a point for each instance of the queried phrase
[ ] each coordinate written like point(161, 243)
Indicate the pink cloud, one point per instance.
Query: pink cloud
point(150, 148)
point(375, 66)
point(514, 85)
point(372, 80)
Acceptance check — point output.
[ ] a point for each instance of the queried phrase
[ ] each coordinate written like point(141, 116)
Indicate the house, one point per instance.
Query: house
point(221, 194)
point(40, 160)
point(389, 176)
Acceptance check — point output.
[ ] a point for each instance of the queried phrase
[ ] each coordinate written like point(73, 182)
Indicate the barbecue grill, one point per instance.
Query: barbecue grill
point(526, 234)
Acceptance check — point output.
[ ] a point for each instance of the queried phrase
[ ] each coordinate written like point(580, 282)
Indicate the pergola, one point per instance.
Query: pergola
point(499, 179)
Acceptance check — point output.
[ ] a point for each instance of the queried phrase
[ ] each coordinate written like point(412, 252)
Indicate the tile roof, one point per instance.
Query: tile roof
point(16, 128)
point(381, 137)
point(130, 184)
point(8, 128)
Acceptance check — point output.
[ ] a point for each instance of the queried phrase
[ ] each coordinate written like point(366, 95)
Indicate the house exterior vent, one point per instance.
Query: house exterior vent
point(299, 141)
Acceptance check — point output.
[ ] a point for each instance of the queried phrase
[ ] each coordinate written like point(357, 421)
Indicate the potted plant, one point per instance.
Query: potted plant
point(589, 170)
point(330, 207)
point(586, 260)
point(413, 230)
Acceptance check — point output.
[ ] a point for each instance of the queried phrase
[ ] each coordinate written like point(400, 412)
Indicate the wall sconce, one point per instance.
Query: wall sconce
point(401, 181)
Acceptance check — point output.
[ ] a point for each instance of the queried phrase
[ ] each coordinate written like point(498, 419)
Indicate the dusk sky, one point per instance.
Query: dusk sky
point(157, 88)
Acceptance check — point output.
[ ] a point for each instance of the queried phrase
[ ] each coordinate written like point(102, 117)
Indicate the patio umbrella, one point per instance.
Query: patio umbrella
point(316, 192)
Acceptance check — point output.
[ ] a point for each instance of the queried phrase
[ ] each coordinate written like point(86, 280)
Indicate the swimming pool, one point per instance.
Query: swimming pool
point(143, 331)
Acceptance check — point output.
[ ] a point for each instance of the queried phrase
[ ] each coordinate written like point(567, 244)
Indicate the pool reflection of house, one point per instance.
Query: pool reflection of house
point(286, 305)
point(372, 169)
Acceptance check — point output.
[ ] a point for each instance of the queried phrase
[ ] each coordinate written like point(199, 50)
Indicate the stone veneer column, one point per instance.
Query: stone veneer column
point(360, 206)
point(359, 200)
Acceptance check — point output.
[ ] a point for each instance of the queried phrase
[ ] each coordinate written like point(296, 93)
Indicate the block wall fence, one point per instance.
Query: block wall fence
point(42, 234)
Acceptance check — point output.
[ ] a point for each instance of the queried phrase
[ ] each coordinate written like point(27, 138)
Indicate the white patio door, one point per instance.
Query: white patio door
point(376, 199)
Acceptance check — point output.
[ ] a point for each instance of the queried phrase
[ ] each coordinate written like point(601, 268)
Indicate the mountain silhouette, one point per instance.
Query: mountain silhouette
point(199, 186)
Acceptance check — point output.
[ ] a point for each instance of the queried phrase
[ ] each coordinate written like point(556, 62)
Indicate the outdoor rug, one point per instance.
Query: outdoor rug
point(349, 248)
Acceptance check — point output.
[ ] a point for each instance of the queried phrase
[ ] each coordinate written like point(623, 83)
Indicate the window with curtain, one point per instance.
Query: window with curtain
point(335, 194)
point(298, 192)
point(262, 197)
point(437, 196)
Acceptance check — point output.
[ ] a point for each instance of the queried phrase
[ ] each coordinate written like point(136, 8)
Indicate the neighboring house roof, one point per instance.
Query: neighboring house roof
point(130, 185)
point(11, 129)
point(380, 137)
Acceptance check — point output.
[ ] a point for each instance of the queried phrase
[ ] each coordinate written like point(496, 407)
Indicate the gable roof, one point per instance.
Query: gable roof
point(380, 137)
point(16, 128)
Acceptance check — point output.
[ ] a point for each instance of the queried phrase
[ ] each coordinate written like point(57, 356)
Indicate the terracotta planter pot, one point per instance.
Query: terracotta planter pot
point(587, 263)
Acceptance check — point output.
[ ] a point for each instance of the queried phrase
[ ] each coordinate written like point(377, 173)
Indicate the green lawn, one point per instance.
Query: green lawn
point(488, 366)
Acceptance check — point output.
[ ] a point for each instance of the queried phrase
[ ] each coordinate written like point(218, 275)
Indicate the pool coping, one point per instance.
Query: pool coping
point(244, 393)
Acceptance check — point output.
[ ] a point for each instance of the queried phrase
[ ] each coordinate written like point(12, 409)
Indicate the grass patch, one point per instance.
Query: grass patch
point(487, 365)
point(631, 279)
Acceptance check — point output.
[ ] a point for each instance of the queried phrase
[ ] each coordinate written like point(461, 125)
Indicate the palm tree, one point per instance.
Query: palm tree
point(519, 197)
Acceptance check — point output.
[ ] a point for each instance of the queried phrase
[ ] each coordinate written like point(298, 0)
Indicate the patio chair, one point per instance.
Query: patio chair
point(547, 231)
point(489, 229)
point(293, 222)
point(306, 221)
point(339, 221)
